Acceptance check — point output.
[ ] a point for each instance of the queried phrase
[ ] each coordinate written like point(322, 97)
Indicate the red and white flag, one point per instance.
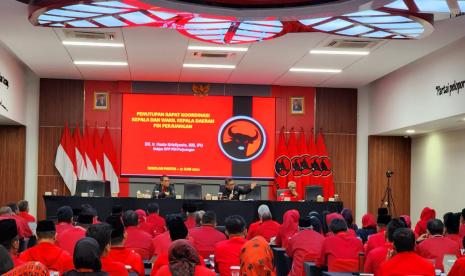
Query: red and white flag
point(79, 146)
point(65, 160)
point(109, 159)
point(91, 163)
point(98, 155)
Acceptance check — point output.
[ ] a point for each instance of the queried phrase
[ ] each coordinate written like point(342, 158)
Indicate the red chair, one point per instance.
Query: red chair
point(343, 265)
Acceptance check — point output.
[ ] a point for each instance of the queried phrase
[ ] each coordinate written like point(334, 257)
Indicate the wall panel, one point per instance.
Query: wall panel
point(12, 160)
point(389, 153)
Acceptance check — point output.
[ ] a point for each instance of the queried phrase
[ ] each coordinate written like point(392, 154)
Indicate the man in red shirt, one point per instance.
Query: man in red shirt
point(405, 261)
point(206, 236)
point(434, 245)
point(227, 252)
point(452, 224)
point(265, 227)
point(23, 207)
point(341, 245)
point(46, 252)
point(118, 252)
point(137, 239)
point(9, 212)
point(377, 256)
point(290, 194)
point(101, 232)
point(64, 219)
point(305, 245)
point(154, 223)
point(68, 238)
point(379, 238)
point(9, 239)
point(189, 210)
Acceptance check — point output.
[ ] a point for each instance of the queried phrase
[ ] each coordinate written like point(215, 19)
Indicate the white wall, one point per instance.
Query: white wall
point(22, 102)
point(363, 121)
point(408, 97)
point(438, 173)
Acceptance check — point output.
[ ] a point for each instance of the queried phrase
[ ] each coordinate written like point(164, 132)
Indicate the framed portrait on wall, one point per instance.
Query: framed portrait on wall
point(101, 101)
point(297, 105)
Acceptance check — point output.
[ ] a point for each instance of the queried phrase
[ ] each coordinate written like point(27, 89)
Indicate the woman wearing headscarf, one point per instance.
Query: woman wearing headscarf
point(86, 259)
point(407, 220)
point(426, 215)
point(325, 226)
point(368, 227)
point(349, 218)
point(289, 227)
point(6, 263)
point(257, 258)
point(183, 261)
point(319, 217)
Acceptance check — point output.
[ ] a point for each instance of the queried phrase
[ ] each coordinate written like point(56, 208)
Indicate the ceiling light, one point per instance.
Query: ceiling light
point(410, 131)
point(330, 52)
point(93, 44)
point(216, 66)
point(315, 70)
point(221, 49)
point(102, 63)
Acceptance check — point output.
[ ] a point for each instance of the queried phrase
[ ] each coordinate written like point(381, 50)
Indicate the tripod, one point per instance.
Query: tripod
point(388, 199)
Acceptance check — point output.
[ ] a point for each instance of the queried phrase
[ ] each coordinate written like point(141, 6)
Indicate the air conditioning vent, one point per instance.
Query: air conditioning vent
point(89, 35)
point(212, 55)
point(351, 44)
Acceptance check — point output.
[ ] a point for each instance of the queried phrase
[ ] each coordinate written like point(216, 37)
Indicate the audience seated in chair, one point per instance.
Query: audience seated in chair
point(265, 227)
point(137, 239)
point(86, 259)
point(64, 219)
point(289, 227)
point(206, 236)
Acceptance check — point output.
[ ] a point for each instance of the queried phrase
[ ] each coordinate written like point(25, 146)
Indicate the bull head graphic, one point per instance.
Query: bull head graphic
point(239, 143)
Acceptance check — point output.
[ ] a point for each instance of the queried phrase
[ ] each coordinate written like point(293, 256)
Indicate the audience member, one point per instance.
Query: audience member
point(349, 218)
point(46, 252)
point(452, 225)
point(305, 245)
point(458, 269)
point(256, 258)
point(154, 223)
point(206, 236)
point(117, 211)
point(265, 227)
point(462, 223)
point(64, 219)
point(6, 263)
point(23, 208)
point(434, 245)
point(6, 212)
point(403, 260)
point(137, 239)
point(102, 234)
point(141, 215)
point(377, 256)
point(183, 260)
point(189, 209)
point(198, 217)
point(426, 215)
point(86, 259)
point(118, 251)
point(9, 239)
point(379, 238)
point(68, 238)
point(289, 227)
point(227, 252)
point(30, 268)
point(290, 194)
point(341, 245)
point(406, 219)
point(368, 227)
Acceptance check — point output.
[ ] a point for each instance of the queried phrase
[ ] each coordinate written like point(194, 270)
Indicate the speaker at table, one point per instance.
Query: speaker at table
point(100, 188)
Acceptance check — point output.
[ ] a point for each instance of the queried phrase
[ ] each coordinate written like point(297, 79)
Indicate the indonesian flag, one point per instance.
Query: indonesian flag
point(98, 154)
point(282, 165)
point(65, 160)
point(91, 163)
point(294, 156)
point(80, 154)
point(325, 166)
point(109, 159)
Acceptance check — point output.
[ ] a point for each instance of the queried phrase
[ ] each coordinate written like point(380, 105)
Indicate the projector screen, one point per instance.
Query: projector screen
point(203, 137)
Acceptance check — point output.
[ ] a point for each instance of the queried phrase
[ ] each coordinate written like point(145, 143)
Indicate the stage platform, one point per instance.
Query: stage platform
point(222, 208)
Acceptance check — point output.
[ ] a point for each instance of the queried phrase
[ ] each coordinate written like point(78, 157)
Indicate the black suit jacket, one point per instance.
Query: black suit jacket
point(158, 187)
point(236, 192)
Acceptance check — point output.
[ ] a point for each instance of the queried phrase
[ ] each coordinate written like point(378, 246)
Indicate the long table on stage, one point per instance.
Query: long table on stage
point(222, 208)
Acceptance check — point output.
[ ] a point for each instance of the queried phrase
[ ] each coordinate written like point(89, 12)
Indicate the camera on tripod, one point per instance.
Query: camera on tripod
point(389, 173)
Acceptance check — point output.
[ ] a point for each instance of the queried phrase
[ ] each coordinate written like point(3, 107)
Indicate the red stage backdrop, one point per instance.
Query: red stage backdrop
point(215, 136)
